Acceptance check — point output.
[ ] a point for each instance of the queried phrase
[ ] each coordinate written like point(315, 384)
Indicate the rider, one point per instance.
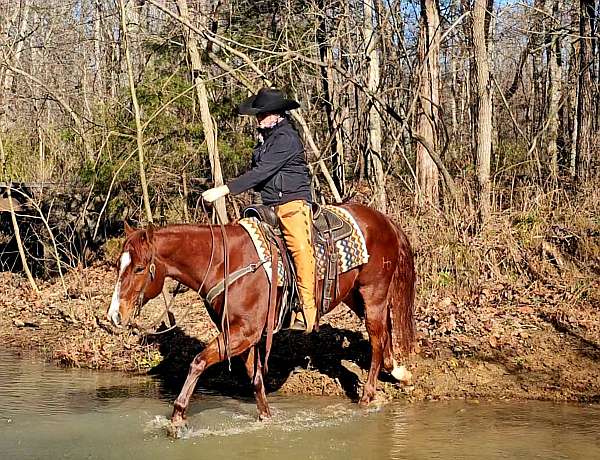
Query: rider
point(280, 173)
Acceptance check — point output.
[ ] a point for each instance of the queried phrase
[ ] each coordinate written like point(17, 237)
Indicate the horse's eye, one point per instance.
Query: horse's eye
point(139, 269)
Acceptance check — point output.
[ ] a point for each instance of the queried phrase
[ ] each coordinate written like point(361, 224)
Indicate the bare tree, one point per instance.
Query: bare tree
point(137, 114)
point(429, 101)
point(585, 99)
point(554, 84)
point(198, 74)
point(331, 94)
point(484, 104)
point(22, 15)
point(13, 218)
point(375, 153)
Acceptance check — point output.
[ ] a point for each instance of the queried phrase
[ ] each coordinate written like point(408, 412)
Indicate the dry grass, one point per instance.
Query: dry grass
point(551, 236)
point(520, 292)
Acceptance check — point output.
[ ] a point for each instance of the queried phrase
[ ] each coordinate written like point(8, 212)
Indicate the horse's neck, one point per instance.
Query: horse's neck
point(188, 254)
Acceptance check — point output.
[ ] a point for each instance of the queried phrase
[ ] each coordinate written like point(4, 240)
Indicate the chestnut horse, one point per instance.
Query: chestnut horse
point(380, 291)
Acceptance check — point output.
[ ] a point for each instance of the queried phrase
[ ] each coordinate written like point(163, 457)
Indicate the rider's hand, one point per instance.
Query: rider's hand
point(213, 194)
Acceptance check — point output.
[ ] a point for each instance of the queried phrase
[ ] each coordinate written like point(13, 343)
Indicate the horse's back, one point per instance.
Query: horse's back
point(375, 225)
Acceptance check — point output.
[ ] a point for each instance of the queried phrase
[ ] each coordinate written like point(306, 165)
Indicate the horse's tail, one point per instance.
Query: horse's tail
point(401, 297)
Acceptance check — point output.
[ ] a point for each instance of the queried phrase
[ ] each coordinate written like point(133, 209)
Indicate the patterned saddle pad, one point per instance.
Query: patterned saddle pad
point(352, 250)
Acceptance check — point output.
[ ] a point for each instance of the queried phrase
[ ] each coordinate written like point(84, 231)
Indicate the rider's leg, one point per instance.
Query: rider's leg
point(296, 223)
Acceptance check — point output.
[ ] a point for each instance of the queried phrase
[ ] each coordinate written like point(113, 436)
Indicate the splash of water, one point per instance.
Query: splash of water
point(237, 423)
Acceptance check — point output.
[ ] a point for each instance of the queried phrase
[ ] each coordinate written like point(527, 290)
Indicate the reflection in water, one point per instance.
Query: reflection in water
point(46, 412)
point(48, 390)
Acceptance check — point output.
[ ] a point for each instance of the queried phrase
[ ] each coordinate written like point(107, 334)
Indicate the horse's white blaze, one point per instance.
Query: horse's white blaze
point(125, 261)
point(113, 311)
point(402, 374)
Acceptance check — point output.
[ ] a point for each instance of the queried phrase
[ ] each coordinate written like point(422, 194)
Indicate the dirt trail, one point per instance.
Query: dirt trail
point(501, 343)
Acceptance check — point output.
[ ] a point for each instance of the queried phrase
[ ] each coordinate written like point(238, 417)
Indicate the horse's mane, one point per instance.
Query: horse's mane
point(136, 241)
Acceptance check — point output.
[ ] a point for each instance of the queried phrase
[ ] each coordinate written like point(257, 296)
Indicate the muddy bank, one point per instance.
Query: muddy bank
point(503, 342)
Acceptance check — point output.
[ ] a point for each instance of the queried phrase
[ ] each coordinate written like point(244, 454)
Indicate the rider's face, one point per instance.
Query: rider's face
point(266, 120)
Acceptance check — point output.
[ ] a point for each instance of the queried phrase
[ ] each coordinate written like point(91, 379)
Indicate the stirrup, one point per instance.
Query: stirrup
point(298, 325)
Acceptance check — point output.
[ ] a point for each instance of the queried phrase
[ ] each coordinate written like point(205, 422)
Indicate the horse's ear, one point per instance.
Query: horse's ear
point(128, 229)
point(150, 233)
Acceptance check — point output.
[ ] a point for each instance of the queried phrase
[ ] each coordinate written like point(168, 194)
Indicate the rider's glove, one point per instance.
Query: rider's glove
point(213, 194)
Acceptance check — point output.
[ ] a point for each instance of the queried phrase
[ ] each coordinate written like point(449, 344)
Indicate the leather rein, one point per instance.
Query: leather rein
point(150, 275)
point(222, 287)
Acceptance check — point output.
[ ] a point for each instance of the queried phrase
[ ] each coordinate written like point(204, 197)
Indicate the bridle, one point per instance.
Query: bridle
point(221, 287)
point(150, 275)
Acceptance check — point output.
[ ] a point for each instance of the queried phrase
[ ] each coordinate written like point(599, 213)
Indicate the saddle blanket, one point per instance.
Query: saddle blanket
point(352, 250)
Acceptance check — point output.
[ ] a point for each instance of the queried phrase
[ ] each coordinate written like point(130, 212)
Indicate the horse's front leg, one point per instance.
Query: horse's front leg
point(254, 370)
point(212, 354)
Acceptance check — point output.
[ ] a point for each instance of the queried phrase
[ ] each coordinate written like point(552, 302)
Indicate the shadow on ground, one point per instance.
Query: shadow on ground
point(292, 352)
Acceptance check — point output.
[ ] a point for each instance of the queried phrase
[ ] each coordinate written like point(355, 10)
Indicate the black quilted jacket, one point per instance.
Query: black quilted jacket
point(279, 170)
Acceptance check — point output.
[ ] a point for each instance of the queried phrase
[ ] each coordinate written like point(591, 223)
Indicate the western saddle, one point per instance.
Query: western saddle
point(328, 228)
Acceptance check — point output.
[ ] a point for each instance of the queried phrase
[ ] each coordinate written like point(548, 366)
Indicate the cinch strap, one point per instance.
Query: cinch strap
point(236, 275)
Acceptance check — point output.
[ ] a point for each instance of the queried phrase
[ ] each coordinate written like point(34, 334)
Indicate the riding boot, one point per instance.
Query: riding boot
point(297, 322)
point(296, 226)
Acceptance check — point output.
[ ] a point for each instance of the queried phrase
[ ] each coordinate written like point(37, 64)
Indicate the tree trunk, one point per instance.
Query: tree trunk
point(429, 99)
point(537, 54)
point(453, 96)
point(375, 163)
point(573, 64)
point(137, 114)
point(210, 134)
point(13, 217)
point(99, 85)
point(585, 102)
point(554, 90)
point(328, 85)
point(131, 11)
point(484, 108)
point(6, 74)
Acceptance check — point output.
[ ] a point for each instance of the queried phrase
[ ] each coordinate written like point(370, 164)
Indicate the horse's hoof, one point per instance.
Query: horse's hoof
point(364, 402)
point(402, 375)
point(264, 416)
point(177, 428)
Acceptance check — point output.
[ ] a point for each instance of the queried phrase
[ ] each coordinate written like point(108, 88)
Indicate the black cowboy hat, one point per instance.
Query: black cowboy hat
point(267, 100)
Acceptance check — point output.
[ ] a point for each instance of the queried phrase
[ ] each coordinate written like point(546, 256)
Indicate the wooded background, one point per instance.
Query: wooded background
point(461, 110)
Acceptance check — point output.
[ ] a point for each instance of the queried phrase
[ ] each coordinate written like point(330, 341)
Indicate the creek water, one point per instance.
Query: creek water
point(52, 413)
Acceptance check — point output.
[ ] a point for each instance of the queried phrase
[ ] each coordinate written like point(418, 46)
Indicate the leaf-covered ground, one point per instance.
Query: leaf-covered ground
point(502, 341)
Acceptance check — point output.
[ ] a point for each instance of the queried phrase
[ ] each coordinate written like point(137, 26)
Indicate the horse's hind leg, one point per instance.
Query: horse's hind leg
point(376, 323)
point(212, 354)
point(388, 352)
point(399, 372)
point(254, 369)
